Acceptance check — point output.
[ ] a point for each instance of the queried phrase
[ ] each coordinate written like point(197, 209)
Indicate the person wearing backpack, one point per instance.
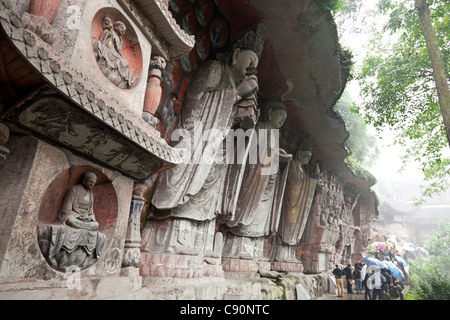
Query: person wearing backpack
point(376, 280)
point(349, 277)
point(367, 289)
point(386, 283)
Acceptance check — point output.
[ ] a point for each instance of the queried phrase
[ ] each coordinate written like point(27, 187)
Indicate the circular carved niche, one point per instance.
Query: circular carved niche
point(111, 63)
point(66, 248)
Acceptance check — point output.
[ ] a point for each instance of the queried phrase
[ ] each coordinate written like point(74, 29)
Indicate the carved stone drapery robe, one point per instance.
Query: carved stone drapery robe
point(65, 239)
point(193, 190)
point(109, 56)
point(259, 202)
point(297, 200)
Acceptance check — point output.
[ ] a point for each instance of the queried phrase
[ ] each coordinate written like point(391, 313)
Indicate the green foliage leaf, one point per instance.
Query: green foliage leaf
point(430, 278)
point(398, 89)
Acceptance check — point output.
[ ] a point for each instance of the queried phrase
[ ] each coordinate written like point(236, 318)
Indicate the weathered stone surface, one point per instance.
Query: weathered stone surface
point(291, 66)
point(22, 260)
point(302, 294)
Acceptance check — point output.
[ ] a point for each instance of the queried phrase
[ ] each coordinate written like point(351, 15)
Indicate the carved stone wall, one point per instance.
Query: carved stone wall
point(81, 110)
point(202, 19)
point(48, 173)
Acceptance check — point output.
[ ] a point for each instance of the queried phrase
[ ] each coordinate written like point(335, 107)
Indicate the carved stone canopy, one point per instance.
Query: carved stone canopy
point(124, 142)
point(171, 41)
point(102, 138)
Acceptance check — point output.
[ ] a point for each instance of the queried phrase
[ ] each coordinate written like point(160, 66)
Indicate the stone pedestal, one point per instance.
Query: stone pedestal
point(170, 265)
point(179, 266)
point(242, 268)
point(291, 267)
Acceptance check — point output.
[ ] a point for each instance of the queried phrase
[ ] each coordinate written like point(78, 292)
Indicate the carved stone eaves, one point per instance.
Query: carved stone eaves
point(87, 96)
point(156, 22)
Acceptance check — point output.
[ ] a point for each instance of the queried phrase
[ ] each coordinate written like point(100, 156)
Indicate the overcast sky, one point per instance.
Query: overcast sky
point(389, 163)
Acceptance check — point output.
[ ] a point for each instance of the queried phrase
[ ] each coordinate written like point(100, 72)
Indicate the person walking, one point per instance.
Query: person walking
point(349, 277)
point(338, 273)
point(386, 283)
point(377, 279)
point(367, 289)
point(358, 280)
point(391, 281)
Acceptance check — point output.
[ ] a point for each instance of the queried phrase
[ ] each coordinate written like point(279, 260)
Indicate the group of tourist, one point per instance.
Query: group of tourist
point(386, 253)
point(374, 282)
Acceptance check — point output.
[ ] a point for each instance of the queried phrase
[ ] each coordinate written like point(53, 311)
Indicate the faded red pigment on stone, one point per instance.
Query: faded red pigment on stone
point(105, 198)
point(131, 50)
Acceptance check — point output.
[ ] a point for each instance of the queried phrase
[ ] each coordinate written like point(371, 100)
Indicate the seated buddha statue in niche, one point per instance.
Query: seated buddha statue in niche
point(75, 240)
point(108, 52)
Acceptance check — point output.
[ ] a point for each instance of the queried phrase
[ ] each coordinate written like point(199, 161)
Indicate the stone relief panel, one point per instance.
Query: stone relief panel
point(60, 122)
point(76, 218)
point(116, 48)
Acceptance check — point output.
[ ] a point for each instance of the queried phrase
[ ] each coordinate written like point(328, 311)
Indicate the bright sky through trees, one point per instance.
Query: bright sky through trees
point(355, 29)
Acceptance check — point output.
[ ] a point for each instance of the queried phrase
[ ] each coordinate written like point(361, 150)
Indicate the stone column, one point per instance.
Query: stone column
point(39, 17)
point(132, 250)
point(44, 8)
point(153, 92)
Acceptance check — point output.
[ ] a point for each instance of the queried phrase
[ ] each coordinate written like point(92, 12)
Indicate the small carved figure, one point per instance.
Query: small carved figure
point(108, 52)
point(75, 241)
point(77, 210)
point(323, 217)
point(106, 26)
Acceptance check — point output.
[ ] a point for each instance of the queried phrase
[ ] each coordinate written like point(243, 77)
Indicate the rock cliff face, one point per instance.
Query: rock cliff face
point(102, 86)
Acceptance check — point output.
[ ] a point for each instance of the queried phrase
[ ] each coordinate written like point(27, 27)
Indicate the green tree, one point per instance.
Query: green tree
point(437, 62)
point(430, 278)
point(439, 244)
point(399, 91)
point(429, 281)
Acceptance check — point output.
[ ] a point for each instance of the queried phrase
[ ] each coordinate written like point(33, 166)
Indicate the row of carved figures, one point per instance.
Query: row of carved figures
point(263, 192)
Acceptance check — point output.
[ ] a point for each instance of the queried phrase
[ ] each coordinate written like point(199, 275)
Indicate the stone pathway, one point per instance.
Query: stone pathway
point(347, 296)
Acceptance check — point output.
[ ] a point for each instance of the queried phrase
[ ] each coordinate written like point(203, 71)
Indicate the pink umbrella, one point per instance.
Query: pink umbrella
point(382, 246)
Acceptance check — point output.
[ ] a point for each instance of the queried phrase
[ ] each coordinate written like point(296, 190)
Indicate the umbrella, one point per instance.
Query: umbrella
point(374, 245)
point(382, 246)
point(403, 262)
point(373, 262)
point(409, 248)
point(395, 271)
